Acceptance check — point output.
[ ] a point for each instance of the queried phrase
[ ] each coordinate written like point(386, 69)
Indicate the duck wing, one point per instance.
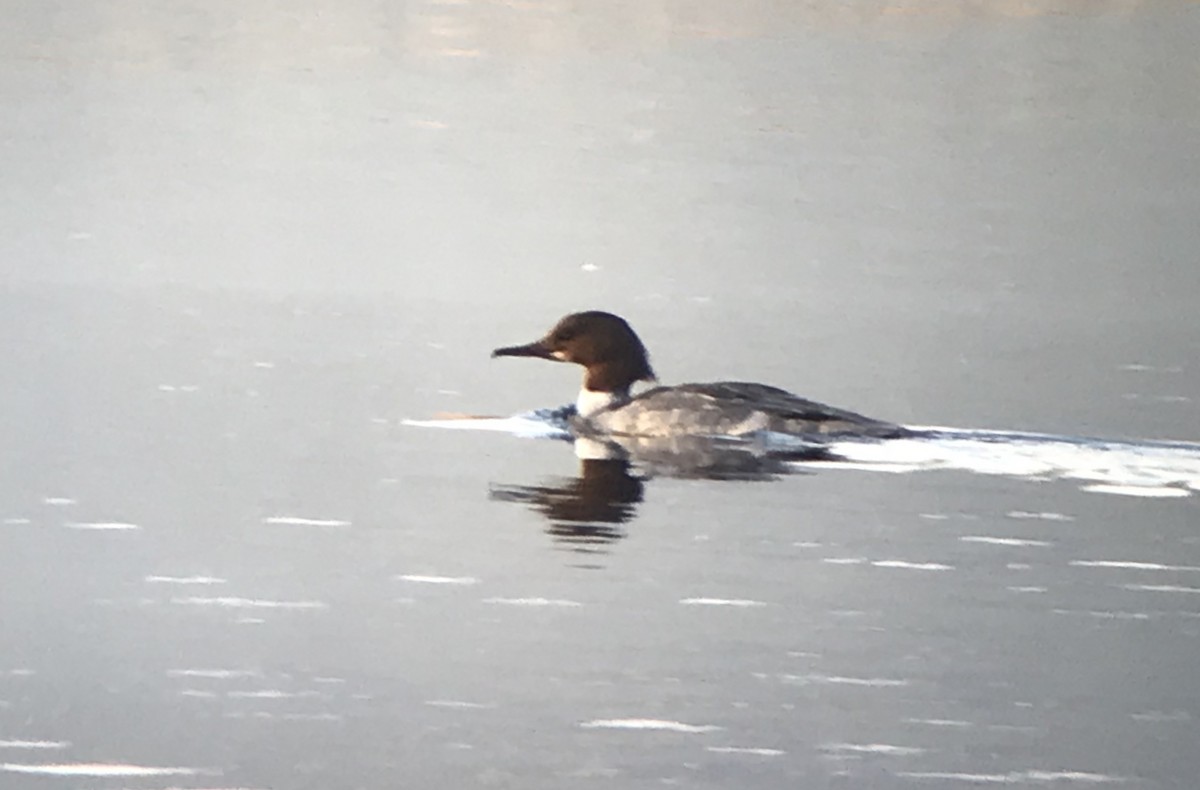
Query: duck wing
point(733, 408)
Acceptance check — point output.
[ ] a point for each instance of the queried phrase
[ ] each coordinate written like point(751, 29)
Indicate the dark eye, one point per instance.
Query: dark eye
point(563, 335)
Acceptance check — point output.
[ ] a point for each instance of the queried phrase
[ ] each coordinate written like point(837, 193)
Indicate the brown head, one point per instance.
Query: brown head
point(602, 342)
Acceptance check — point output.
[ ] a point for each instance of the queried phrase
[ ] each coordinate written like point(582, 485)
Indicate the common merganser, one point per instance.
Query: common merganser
point(614, 359)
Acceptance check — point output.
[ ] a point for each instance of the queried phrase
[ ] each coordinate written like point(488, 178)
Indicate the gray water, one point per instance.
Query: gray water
point(239, 246)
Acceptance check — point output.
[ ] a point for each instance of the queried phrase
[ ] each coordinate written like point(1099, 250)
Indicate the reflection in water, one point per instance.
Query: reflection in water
point(585, 511)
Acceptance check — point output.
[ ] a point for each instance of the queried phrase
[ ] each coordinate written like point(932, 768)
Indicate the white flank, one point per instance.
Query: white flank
point(720, 602)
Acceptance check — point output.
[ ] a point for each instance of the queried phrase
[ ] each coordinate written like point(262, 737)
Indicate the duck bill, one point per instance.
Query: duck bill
point(534, 349)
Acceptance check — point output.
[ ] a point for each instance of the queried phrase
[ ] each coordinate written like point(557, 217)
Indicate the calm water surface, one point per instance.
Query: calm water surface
point(240, 246)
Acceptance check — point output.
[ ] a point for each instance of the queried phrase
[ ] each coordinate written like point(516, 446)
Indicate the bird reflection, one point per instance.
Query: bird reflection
point(586, 512)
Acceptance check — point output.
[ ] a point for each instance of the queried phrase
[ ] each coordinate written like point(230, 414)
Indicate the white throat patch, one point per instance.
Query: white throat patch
point(589, 402)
